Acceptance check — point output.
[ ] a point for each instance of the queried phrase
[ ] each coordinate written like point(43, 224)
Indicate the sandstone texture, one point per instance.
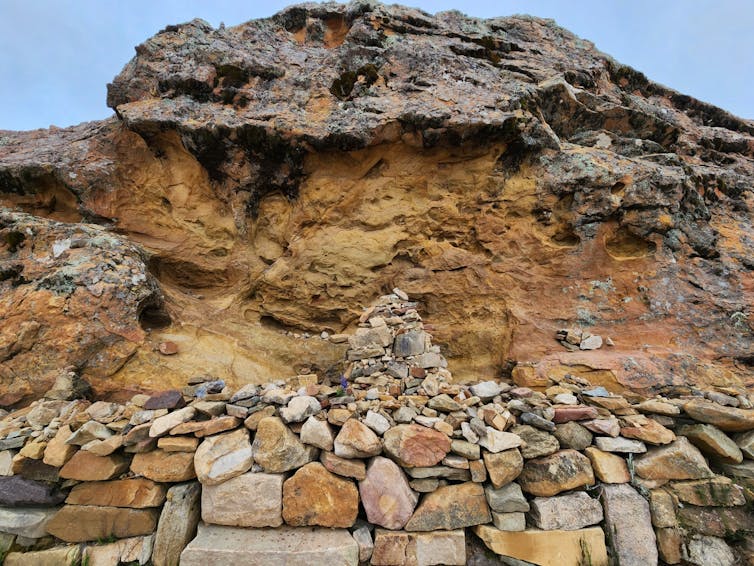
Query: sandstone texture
point(275, 172)
point(376, 277)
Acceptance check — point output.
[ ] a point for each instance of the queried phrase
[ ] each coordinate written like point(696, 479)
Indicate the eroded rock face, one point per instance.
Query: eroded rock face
point(279, 172)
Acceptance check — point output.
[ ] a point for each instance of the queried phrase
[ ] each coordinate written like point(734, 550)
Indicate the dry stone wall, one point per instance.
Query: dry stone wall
point(392, 464)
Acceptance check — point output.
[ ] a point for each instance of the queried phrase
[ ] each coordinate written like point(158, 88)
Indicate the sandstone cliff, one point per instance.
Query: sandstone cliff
point(259, 182)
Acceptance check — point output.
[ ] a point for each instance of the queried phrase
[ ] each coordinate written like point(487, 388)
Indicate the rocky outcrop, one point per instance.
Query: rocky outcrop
point(275, 173)
point(419, 468)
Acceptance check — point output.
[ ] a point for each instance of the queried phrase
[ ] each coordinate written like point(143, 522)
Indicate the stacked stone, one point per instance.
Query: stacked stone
point(390, 466)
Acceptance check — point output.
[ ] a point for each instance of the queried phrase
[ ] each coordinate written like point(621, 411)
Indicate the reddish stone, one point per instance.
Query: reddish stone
point(416, 446)
point(579, 413)
point(171, 399)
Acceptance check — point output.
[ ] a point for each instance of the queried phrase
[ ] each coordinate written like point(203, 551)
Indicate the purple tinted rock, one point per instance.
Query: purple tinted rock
point(171, 399)
point(16, 491)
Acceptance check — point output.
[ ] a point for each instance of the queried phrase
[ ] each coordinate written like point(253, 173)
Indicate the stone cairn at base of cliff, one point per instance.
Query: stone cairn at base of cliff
point(394, 465)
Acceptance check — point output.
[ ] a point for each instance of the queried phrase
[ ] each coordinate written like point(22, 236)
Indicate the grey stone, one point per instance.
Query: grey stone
point(29, 522)
point(536, 442)
point(486, 390)
point(317, 433)
point(411, 343)
point(573, 435)
point(536, 421)
point(706, 551)
point(230, 546)
point(620, 444)
point(248, 500)
point(568, 512)
point(177, 524)
point(509, 521)
point(745, 441)
point(507, 499)
point(629, 525)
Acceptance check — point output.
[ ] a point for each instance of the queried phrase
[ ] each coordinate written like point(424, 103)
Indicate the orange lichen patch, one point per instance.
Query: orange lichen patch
point(622, 245)
point(336, 29)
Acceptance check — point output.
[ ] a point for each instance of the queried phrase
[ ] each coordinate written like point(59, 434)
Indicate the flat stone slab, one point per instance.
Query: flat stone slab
point(564, 548)
point(292, 546)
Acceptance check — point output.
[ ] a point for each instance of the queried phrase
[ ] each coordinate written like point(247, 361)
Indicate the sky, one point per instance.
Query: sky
point(56, 56)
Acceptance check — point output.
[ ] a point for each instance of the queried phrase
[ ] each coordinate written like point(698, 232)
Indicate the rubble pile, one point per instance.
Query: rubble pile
point(393, 463)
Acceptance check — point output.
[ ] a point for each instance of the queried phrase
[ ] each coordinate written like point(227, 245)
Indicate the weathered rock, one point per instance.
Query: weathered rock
point(136, 493)
point(161, 466)
point(573, 435)
point(315, 497)
point(386, 495)
point(81, 523)
point(16, 491)
point(177, 524)
point(248, 500)
point(608, 468)
point(229, 546)
point(507, 499)
point(84, 466)
point(503, 467)
point(222, 457)
point(497, 441)
point(363, 538)
point(416, 446)
point(30, 523)
point(164, 424)
point(713, 442)
point(662, 507)
point(277, 449)
point(299, 409)
point(410, 343)
point(134, 550)
point(377, 422)
point(170, 399)
point(650, 431)
point(58, 556)
point(419, 549)
point(465, 449)
point(536, 442)
point(212, 426)
point(90, 430)
point(568, 512)
point(317, 433)
point(6, 462)
point(718, 491)
point(178, 444)
point(568, 414)
point(104, 447)
point(669, 545)
point(745, 441)
point(716, 521)
point(346, 467)
point(677, 461)
point(509, 521)
point(37, 470)
point(550, 475)
point(356, 440)
point(620, 444)
point(451, 507)
point(629, 525)
point(703, 551)
point(586, 546)
point(728, 419)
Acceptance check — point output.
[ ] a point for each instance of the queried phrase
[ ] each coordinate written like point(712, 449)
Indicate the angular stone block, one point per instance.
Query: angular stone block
point(231, 546)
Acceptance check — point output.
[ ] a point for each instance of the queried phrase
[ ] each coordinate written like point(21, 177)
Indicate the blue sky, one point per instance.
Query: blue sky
point(56, 56)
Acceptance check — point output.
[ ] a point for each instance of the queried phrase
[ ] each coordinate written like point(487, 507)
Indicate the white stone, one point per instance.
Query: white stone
point(592, 342)
point(486, 390)
point(26, 522)
point(6, 462)
point(230, 546)
point(248, 500)
point(299, 409)
point(223, 456)
point(377, 422)
point(317, 433)
point(497, 440)
point(162, 425)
